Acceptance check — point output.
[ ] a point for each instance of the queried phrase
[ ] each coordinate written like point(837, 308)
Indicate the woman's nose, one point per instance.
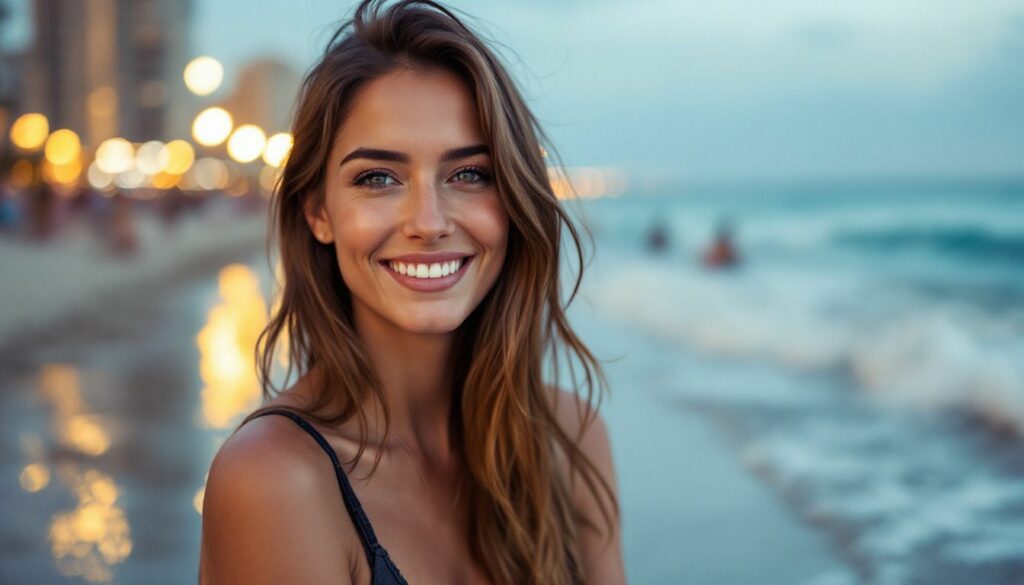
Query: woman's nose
point(426, 212)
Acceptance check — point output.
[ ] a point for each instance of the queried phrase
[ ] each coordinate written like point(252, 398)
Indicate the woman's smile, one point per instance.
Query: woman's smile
point(426, 276)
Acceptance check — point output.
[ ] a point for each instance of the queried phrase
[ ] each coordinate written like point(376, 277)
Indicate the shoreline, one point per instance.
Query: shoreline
point(692, 512)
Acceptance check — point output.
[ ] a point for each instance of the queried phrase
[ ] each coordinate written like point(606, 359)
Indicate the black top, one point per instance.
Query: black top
point(382, 569)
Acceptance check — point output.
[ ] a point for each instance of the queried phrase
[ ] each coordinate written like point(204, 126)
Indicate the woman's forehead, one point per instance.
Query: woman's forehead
point(412, 111)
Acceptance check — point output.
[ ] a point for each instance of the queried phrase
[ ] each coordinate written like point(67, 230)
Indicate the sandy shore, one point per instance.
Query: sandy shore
point(692, 513)
point(46, 283)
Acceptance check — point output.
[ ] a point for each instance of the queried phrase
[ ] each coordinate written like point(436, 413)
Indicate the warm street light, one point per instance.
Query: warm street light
point(62, 147)
point(29, 131)
point(278, 147)
point(203, 75)
point(115, 155)
point(179, 157)
point(212, 126)
point(247, 143)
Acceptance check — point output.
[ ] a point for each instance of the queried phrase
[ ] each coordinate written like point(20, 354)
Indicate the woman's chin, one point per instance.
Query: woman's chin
point(431, 323)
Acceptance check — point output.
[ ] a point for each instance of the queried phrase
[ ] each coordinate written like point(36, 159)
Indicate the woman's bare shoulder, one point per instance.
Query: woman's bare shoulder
point(577, 417)
point(601, 544)
point(272, 510)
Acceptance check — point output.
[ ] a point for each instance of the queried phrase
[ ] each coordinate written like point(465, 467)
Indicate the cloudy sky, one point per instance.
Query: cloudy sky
point(731, 89)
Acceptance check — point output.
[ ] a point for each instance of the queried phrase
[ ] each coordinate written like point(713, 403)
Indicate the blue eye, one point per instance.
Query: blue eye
point(373, 179)
point(481, 175)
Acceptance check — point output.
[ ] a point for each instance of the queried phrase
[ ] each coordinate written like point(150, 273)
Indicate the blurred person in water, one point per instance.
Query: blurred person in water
point(722, 252)
point(419, 238)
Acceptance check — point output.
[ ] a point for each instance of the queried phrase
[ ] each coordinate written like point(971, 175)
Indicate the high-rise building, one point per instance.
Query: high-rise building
point(110, 67)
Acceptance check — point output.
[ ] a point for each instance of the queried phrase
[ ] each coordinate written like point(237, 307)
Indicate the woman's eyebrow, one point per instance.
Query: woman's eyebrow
point(400, 157)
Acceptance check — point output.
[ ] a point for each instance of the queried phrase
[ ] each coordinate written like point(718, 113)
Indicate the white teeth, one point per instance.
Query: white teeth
point(435, 270)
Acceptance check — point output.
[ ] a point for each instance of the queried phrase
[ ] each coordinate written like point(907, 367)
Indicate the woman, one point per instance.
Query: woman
point(419, 238)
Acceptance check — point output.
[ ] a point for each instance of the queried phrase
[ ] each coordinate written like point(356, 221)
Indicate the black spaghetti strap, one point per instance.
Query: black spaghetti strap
point(355, 509)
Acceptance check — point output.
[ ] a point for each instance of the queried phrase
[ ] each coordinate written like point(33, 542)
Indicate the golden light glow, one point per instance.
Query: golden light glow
point(66, 174)
point(587, 182)
point(152, 157)
point(62, 147)
point(180, 157)
point(115, 155)
point(212, 126)
point(85, 434)
point(164, 180)
point(88, 540)
point(246, 143)
point(277, 149)
point(60, 385)
point(22, 174)
point(227, 366)
point(34, 477)
point(29, 131)
point(203, 75)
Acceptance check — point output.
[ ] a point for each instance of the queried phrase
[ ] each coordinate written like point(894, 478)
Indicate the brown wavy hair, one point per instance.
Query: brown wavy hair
point(523, 526)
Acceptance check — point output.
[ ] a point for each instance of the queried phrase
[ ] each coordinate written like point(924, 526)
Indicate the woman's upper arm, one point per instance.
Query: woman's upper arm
point(269, 516)
point(602, 552)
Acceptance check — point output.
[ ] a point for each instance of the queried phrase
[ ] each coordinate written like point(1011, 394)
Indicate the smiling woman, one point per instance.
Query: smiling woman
point(420, 241)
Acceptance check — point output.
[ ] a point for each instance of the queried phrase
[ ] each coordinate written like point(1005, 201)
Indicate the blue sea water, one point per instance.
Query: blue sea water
point(866, 356)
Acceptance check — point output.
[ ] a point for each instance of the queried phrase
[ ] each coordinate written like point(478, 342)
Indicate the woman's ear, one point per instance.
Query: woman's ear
point(319, 223)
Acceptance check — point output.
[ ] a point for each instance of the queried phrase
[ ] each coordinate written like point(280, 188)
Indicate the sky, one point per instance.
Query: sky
point(725, 90)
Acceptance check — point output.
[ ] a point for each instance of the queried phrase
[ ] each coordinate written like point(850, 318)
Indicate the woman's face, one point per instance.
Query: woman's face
point(410, 188)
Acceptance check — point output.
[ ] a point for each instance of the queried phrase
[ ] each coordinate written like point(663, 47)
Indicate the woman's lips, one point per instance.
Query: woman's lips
point(429, 284)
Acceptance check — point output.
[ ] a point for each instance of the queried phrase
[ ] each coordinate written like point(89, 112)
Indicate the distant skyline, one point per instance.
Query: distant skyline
point(695, 91)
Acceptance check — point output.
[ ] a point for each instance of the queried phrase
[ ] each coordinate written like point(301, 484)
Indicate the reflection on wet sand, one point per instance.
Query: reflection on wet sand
point(226, 343)
point(90, 539)
point(59, 384)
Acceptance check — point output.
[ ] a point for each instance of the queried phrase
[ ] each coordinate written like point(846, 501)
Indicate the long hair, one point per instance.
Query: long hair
point(523, 527)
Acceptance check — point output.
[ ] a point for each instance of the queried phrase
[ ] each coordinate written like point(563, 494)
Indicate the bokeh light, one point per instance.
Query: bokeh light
point(115, 155)
point(164, 180)
point(246, 143)
point(133, 178)
point(34, 477)
point(62, 147)
point(23, 174)
point(98, 178)
point(29, 131)
point(180, 157)
point(277, 149)
point(210, 173)
point(212, 126)
point(65, 174)
point(152, 157)
point(203, 75)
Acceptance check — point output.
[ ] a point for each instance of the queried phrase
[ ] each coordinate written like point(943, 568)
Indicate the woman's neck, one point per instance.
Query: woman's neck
point(416, 373)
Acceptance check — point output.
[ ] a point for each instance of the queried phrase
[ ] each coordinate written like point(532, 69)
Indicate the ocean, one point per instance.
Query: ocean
point(865, 357)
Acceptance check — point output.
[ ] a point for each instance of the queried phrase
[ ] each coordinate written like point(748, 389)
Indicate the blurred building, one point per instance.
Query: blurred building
point(108, 68)
point(264, 95)
point(10, 73)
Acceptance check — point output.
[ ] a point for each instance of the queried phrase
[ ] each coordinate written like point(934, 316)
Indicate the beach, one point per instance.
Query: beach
point(692, 512)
